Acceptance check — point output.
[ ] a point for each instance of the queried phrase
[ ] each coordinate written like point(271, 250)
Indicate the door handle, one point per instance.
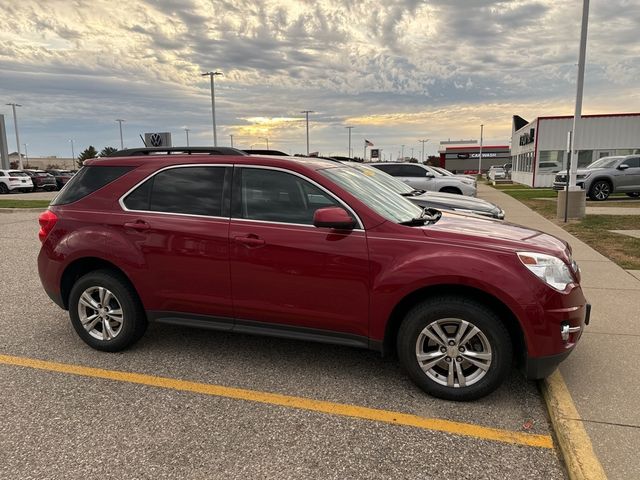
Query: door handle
point(250, 241)
point(137, 225)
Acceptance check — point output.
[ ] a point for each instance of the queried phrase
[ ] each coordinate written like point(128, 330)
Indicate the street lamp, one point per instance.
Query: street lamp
point(26, 153)
point(402, 155)
point(73, 153)
point(307, 112)
point(265, 138)
point(213, 103)
point(480, 154)
point(15, 123)
point(186, 130)
point(349, 128)
point(119, 120)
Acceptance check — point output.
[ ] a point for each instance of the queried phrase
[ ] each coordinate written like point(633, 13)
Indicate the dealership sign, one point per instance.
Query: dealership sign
point(375, 153)
point(160, 139)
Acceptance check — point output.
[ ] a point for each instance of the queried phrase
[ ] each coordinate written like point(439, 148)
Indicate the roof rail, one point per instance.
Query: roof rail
point(136, 152)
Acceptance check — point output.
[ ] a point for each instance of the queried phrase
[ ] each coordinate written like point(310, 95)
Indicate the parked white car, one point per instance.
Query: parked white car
point(11, 180)
point(423, 177)
point(496, 173)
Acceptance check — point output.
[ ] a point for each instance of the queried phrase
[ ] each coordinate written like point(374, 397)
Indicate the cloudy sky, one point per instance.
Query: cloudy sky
point(398, 71)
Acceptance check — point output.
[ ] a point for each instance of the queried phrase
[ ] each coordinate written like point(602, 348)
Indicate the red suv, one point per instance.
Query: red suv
point(309, 249)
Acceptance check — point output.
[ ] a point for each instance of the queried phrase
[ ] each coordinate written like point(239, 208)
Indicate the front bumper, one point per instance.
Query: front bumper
point(541, 367)
point(562, 185)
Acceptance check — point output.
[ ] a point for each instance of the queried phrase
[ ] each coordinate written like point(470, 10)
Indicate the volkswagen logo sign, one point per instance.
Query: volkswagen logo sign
point(156, 140)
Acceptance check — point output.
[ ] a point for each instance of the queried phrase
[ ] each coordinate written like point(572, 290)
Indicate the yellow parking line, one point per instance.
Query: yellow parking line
point(331, 408)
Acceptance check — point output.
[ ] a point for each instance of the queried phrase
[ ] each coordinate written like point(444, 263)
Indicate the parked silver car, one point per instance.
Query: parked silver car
point(422, 177)
point(606, 176)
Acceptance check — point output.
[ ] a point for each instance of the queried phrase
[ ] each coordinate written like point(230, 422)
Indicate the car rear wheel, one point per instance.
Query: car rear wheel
point(105, 311)
point(3, 189)
point(634, 194)
point(600, 190)
point(454, 348)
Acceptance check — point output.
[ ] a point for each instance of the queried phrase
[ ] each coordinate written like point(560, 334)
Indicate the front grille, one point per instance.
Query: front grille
point(561, 178)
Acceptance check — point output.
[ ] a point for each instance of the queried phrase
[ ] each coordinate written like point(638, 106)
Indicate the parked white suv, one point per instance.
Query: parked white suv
point(423, 177)
point(15, 180)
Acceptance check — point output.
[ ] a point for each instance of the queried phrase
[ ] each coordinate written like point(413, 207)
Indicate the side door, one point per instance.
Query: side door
point(178, 221)
point(629, 179)
point(417, 177)
point(285, 272)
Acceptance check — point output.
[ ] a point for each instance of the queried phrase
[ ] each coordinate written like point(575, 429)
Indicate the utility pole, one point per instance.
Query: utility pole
point(265, 138)
point(15, 123)
point(402, 154)
point(423, 142)
point(411, 153)
point(231, 140)
point(349, 128)
point(119, 120)
point(480, 155)
point(186, 130)
point(73, 153)
point(213, 103)
point(26, 153)
point(307, 112)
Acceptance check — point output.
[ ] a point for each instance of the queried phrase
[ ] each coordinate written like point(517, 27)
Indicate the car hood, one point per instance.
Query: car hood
point(582, 171)
point(495, 234)
point(453, 200)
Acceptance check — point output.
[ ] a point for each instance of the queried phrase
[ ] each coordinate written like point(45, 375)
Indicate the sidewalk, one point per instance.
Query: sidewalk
point(603, 373)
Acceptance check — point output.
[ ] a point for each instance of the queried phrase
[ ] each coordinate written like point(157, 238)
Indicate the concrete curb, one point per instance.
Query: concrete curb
point(15, 210)
point(574, 442)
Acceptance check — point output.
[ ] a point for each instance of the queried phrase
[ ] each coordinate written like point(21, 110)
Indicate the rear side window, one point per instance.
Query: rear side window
point(183, 190)
point(88, 180)
point(412, 171)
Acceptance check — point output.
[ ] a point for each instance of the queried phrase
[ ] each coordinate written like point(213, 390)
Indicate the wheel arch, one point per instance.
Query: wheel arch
point(602, 178)
point(450, 189)
point(508, 318)
point(82, 266)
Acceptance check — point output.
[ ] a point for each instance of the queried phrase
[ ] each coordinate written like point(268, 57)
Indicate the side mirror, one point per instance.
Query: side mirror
point(333, 217)
point(623, 166)
point(430, 175)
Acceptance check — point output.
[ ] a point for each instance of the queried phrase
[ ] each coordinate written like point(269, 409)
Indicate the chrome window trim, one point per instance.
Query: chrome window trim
point(332, 195)
point(232, 165)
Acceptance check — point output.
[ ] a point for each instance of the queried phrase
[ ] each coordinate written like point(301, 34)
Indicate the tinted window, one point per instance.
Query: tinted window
point(88, 180)
point(412, 171)
point(632, 162)
point(390, 169)
point(187, 190)
point(275, 196)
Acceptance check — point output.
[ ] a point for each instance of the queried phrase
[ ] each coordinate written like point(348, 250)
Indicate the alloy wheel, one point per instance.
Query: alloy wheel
point(100, 313)
point(453, 352)
point(601, 190)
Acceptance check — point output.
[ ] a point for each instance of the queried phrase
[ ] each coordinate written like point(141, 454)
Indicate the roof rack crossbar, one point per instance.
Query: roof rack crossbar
point(150, 151)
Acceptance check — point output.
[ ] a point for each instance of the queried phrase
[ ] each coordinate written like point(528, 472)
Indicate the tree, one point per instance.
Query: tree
point(90, 152)
point(106, 151)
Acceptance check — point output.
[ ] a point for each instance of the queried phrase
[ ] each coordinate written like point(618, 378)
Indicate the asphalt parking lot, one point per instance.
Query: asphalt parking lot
point(73, 422)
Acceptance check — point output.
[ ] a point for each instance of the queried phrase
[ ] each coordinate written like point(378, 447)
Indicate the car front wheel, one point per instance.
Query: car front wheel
point(454, 348)
point(633, 194)
point(105, 311)
point(600, 190)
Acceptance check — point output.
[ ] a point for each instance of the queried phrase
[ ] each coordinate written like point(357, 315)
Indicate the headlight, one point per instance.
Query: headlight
point(551, 270)
point(582, 177)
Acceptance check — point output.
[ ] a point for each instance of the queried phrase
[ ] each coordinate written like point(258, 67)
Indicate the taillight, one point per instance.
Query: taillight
point(47, 220)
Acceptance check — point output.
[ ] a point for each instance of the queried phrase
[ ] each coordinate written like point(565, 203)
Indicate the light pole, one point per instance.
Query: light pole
point(26, 153)
point(411, 153)
point(15, 123)
point(213, 103)
point(119, 120)
point(231, 140)
point(307, 112)
point(423, 142)
point(480, 154)
point(186, 130)
point(402, 154)
point(349, 128)
point(267, 140)
point(73, 153)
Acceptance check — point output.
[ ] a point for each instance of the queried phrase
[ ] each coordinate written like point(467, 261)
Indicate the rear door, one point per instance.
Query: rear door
point(285, 272)
point(629, 181)
point(416, 177)
point(178, 220)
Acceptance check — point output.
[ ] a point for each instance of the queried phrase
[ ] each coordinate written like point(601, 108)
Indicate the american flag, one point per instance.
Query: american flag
point(368, 143)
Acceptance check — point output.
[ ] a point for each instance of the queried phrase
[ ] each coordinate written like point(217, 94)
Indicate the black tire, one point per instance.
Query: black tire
point(600, 190)
point(633, 194)
point(449, 309)
point(451, 190)
point(3, 189)
point(134, 320)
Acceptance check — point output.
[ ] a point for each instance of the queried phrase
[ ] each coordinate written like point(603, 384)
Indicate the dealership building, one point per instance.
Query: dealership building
point(465, 159)
point(539, 147)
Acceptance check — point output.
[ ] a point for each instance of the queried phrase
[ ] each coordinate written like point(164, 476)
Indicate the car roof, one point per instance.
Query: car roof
point(205, 158)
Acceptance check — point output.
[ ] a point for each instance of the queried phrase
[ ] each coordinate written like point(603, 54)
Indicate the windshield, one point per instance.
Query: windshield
point(443, 171)
point(385, 179)
point(605, 162)
point(378, 197)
